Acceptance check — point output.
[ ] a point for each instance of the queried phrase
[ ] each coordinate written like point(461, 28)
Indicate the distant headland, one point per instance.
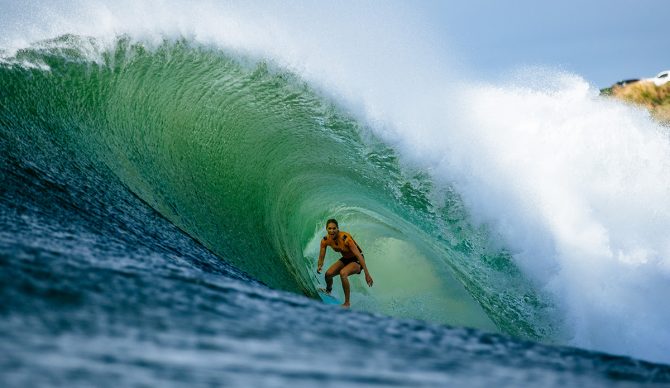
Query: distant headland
point(652, 93)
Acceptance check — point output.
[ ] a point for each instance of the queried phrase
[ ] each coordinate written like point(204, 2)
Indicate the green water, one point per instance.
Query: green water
point(250, 160)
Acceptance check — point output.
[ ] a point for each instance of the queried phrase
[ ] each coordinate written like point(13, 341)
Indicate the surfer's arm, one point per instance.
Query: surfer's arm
point(322, 255)
point(361, 259)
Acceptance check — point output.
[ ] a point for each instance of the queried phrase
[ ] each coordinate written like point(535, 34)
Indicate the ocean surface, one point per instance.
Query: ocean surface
point(163, 194)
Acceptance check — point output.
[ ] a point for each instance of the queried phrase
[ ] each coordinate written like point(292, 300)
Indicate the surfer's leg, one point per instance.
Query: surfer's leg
point(333, 271)
point(350, 269)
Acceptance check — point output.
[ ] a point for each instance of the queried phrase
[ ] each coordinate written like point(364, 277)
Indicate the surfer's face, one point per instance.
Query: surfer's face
point(332, 229)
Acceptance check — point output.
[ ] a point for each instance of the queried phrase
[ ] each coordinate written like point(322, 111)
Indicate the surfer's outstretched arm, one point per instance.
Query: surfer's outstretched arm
point(361, 259)
point(322, 255)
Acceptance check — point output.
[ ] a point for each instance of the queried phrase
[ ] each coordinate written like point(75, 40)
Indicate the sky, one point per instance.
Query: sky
point(603, 41)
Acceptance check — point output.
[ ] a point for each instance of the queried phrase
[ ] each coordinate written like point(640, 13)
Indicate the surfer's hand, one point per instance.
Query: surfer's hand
point(368, 279)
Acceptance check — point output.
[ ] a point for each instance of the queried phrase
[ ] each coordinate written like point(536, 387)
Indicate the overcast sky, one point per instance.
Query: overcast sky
point(604, 41)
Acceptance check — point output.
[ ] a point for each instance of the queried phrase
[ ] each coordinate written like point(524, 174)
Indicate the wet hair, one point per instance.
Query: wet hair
point(332, 221)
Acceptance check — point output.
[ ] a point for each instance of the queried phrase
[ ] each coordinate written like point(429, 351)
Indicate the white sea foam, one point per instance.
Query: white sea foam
point(576, 185)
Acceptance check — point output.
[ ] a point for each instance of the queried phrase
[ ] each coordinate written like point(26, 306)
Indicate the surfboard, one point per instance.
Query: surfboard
point(328, 299)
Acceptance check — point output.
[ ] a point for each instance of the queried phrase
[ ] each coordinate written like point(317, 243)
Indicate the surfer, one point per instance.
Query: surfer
point(352, 261)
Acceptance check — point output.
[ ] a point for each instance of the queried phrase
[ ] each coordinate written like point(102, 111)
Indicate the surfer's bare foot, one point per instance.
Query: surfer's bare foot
point(346, 305)
point(327, 291)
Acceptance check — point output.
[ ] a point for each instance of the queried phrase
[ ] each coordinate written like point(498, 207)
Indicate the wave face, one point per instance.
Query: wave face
point(250, 161)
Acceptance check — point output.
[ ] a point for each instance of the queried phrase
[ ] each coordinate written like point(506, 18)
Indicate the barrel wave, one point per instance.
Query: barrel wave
point(161, 206)
point(249, 160)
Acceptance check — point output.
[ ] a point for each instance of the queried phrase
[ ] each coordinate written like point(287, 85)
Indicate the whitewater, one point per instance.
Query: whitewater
point(167, 170)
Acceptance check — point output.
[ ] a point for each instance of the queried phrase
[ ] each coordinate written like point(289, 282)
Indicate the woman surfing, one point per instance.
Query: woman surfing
point(352, 261)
